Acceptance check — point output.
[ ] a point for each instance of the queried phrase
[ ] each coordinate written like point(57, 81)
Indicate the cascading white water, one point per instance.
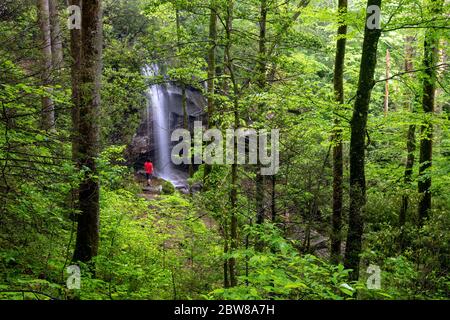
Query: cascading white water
point(161, 131)
point(157, 106)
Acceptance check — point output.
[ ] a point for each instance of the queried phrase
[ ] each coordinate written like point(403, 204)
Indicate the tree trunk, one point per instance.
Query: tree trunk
point(430, 59)
point(234, 187)
point(262, 83)
point(441, 74)
point(211, 71)
point(357, 147)
point(338, 82)
point(386, 85)
point(48, 110)
point(410, 142)
point(186, 119)
point(411, 148)
point(75, 53)
point(273, 203)
point(90, 81)
point(226, 280)
point(57, 49)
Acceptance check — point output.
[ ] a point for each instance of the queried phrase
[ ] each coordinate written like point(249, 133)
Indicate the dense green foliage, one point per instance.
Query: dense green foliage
point(171, 246)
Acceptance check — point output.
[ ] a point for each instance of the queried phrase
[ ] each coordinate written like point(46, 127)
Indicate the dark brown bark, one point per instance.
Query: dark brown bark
point(90, 80)
point(338, 169)
point(48, 110)
point(357, 147)
point(430, 59)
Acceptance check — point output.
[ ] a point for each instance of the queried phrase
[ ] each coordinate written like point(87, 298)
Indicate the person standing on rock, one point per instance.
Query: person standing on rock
point(148, 166)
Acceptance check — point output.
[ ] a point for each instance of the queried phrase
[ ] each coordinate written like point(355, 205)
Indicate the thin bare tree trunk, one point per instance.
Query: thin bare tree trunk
point(186, 119)
point(234, 187)
point(48, 110)
point(410, 141)
point(211, 71)
point(226, 280)
point(261, 70)
point(57, 49)
point(273, 197)
point(338, 168)
point(183, 85)
point(386, 86)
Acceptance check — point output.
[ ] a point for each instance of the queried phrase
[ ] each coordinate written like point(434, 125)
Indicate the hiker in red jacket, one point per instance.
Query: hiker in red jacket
point(148, 166)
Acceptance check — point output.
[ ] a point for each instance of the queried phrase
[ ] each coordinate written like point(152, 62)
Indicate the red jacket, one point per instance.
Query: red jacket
point(148, 167)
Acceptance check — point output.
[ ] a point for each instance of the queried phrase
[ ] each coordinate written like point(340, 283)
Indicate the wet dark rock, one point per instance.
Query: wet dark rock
point(183, 190)
point(196, 187)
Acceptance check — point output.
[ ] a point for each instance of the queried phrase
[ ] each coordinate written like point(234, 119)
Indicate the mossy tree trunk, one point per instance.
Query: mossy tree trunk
point(430, 59)
point(90, 81)
point(357, 147)
point(338, 169)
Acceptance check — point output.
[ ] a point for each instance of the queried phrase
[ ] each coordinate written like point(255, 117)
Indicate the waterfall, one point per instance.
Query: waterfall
point(161, 131)
point(158, 106)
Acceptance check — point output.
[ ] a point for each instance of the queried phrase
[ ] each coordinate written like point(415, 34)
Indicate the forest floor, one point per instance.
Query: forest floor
point(316, 244)
point(153, 190)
